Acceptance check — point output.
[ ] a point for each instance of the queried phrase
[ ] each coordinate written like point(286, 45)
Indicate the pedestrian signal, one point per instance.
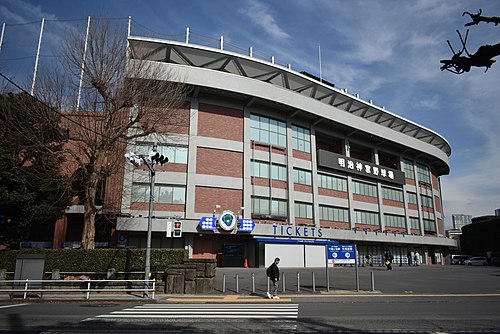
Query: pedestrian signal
point(177, 229)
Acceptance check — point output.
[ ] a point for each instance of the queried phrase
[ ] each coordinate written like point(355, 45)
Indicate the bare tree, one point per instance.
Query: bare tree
point(115, 104)
point(484, 55)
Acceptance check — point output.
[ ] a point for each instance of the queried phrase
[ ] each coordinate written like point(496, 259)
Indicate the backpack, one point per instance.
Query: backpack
point(268, 271)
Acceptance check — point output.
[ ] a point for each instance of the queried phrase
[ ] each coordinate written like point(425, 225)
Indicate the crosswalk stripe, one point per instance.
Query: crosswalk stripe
point(209, 311)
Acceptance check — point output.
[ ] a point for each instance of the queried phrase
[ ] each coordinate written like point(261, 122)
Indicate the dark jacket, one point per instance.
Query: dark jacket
point(273, 272)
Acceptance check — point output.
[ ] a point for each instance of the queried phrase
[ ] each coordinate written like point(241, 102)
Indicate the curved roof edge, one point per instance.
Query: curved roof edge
point(180, 53)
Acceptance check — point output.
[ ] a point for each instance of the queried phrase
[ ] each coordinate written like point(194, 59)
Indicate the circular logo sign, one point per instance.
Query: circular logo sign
point(227, 220)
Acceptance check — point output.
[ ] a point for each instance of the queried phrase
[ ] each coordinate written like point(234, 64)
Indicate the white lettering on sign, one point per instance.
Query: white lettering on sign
point(368, 169)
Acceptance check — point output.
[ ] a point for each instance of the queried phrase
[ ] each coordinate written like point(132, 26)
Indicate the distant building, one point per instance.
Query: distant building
point(460, 220)
point(497, 212)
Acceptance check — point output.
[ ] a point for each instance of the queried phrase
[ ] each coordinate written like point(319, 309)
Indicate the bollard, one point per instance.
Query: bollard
point(298, 281)
point(268, 285)
point(223, 283)
point(372, 276)
point(253, 282)
point(237, 283)
point(283, 282)
point(313, 282)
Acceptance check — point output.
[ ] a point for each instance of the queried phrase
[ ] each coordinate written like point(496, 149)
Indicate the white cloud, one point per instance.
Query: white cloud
point(261, 16)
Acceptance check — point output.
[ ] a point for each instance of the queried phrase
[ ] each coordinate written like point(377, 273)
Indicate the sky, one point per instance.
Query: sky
point(386, 51)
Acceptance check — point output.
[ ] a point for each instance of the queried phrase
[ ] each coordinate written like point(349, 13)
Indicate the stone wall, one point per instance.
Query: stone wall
point(194, 276)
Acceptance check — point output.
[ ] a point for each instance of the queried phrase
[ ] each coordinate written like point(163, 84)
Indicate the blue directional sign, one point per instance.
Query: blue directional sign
point(208, 223)
point(246, 225)
point(341, 253)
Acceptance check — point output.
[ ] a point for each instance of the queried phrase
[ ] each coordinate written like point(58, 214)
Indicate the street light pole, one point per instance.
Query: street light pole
point(150, 161)
point(147, 267)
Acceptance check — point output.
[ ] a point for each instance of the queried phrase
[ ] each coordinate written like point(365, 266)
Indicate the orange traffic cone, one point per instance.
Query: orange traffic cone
point(245, 264)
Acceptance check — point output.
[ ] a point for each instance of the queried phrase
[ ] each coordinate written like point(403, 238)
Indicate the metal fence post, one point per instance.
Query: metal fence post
point(372, 276)
point(154, 289)
point(88, 289)
point(268, 285)
point(298, 281)
point(237, 284)
point(283, 282)
point(253, 282)
point(313, 282)
point(26, 288)
point(223, 283)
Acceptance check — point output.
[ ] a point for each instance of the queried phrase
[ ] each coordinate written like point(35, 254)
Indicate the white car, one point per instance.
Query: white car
point(476, 261)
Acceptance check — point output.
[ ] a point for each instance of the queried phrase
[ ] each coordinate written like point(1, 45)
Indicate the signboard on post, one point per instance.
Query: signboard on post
point(341, 253)
point(169, 229)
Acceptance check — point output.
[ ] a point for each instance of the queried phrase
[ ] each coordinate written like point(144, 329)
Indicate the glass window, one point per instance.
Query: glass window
point(394, 221)
point(302, 176)
point(412, 198)
point(264, 206)
point(334, 214)
point(429, 225)
point(392, 194)
point(365, 217)
point(426, 201)
point(303, 210)
point(332, 182)
point(408, 169)
point(414, 223)
point(423, 174)
point(175, 154)
point(301, 139)
point(163, 194)
point(267, 130)
point(365, 189)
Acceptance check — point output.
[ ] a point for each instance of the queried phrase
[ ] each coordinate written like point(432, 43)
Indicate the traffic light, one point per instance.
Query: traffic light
point(177, 229)
point(134, 159)
point(155, 157)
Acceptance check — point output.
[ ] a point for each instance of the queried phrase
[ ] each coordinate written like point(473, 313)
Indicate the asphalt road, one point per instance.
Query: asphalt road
point(426, 299)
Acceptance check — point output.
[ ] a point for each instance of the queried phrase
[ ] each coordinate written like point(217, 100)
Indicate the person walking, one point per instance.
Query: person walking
point(388, 259)
point(410, 258)
point(417, 258)
point(273, 272)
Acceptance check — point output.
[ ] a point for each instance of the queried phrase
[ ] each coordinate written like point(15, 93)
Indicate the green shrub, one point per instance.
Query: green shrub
point(97, 260)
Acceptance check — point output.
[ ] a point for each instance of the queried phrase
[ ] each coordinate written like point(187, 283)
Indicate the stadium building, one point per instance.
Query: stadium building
point(279, 162)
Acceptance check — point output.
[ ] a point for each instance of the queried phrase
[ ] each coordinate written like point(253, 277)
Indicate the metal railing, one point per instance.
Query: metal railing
point(26, 287)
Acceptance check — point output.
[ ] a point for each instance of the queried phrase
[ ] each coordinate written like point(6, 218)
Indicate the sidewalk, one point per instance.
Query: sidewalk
point(251, 285)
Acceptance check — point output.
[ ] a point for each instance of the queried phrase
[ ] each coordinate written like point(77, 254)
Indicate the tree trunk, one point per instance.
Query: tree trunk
point(88, 232)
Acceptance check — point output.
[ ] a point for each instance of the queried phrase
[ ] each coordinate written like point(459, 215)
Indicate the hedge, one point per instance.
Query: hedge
point(97, 260)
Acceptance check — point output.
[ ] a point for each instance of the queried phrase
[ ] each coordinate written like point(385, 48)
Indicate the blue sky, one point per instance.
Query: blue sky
point(387, 51)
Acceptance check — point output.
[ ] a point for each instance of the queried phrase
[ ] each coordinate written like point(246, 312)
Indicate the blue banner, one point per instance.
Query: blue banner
point(341, 253)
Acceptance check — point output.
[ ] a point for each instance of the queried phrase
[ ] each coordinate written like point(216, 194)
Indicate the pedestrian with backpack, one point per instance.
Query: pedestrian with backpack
point(273, 272)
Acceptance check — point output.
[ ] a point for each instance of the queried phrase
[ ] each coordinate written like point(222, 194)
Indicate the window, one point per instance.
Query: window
point(408, 169)
point(392, 194)
point(423, 174)
point(333, 214)
point(261, 169)
point(429, 225)
point(302, 177)
point(414, 223)
point(267, 130)
point(412, 198)
point(332, 182)
point(303, 210)
point(426, 201)
point(365, 189)
point(301, 139)
point(175, 154)
point(394, 221)
point(365, 217)
point(163, 194)
point(264, 206)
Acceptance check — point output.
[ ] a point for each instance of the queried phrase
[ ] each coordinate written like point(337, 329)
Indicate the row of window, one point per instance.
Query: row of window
point(279, 208)
point(273, 132)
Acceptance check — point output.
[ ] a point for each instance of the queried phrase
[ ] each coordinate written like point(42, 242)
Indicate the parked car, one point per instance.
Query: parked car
point(459, 259)
point(477, 261)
